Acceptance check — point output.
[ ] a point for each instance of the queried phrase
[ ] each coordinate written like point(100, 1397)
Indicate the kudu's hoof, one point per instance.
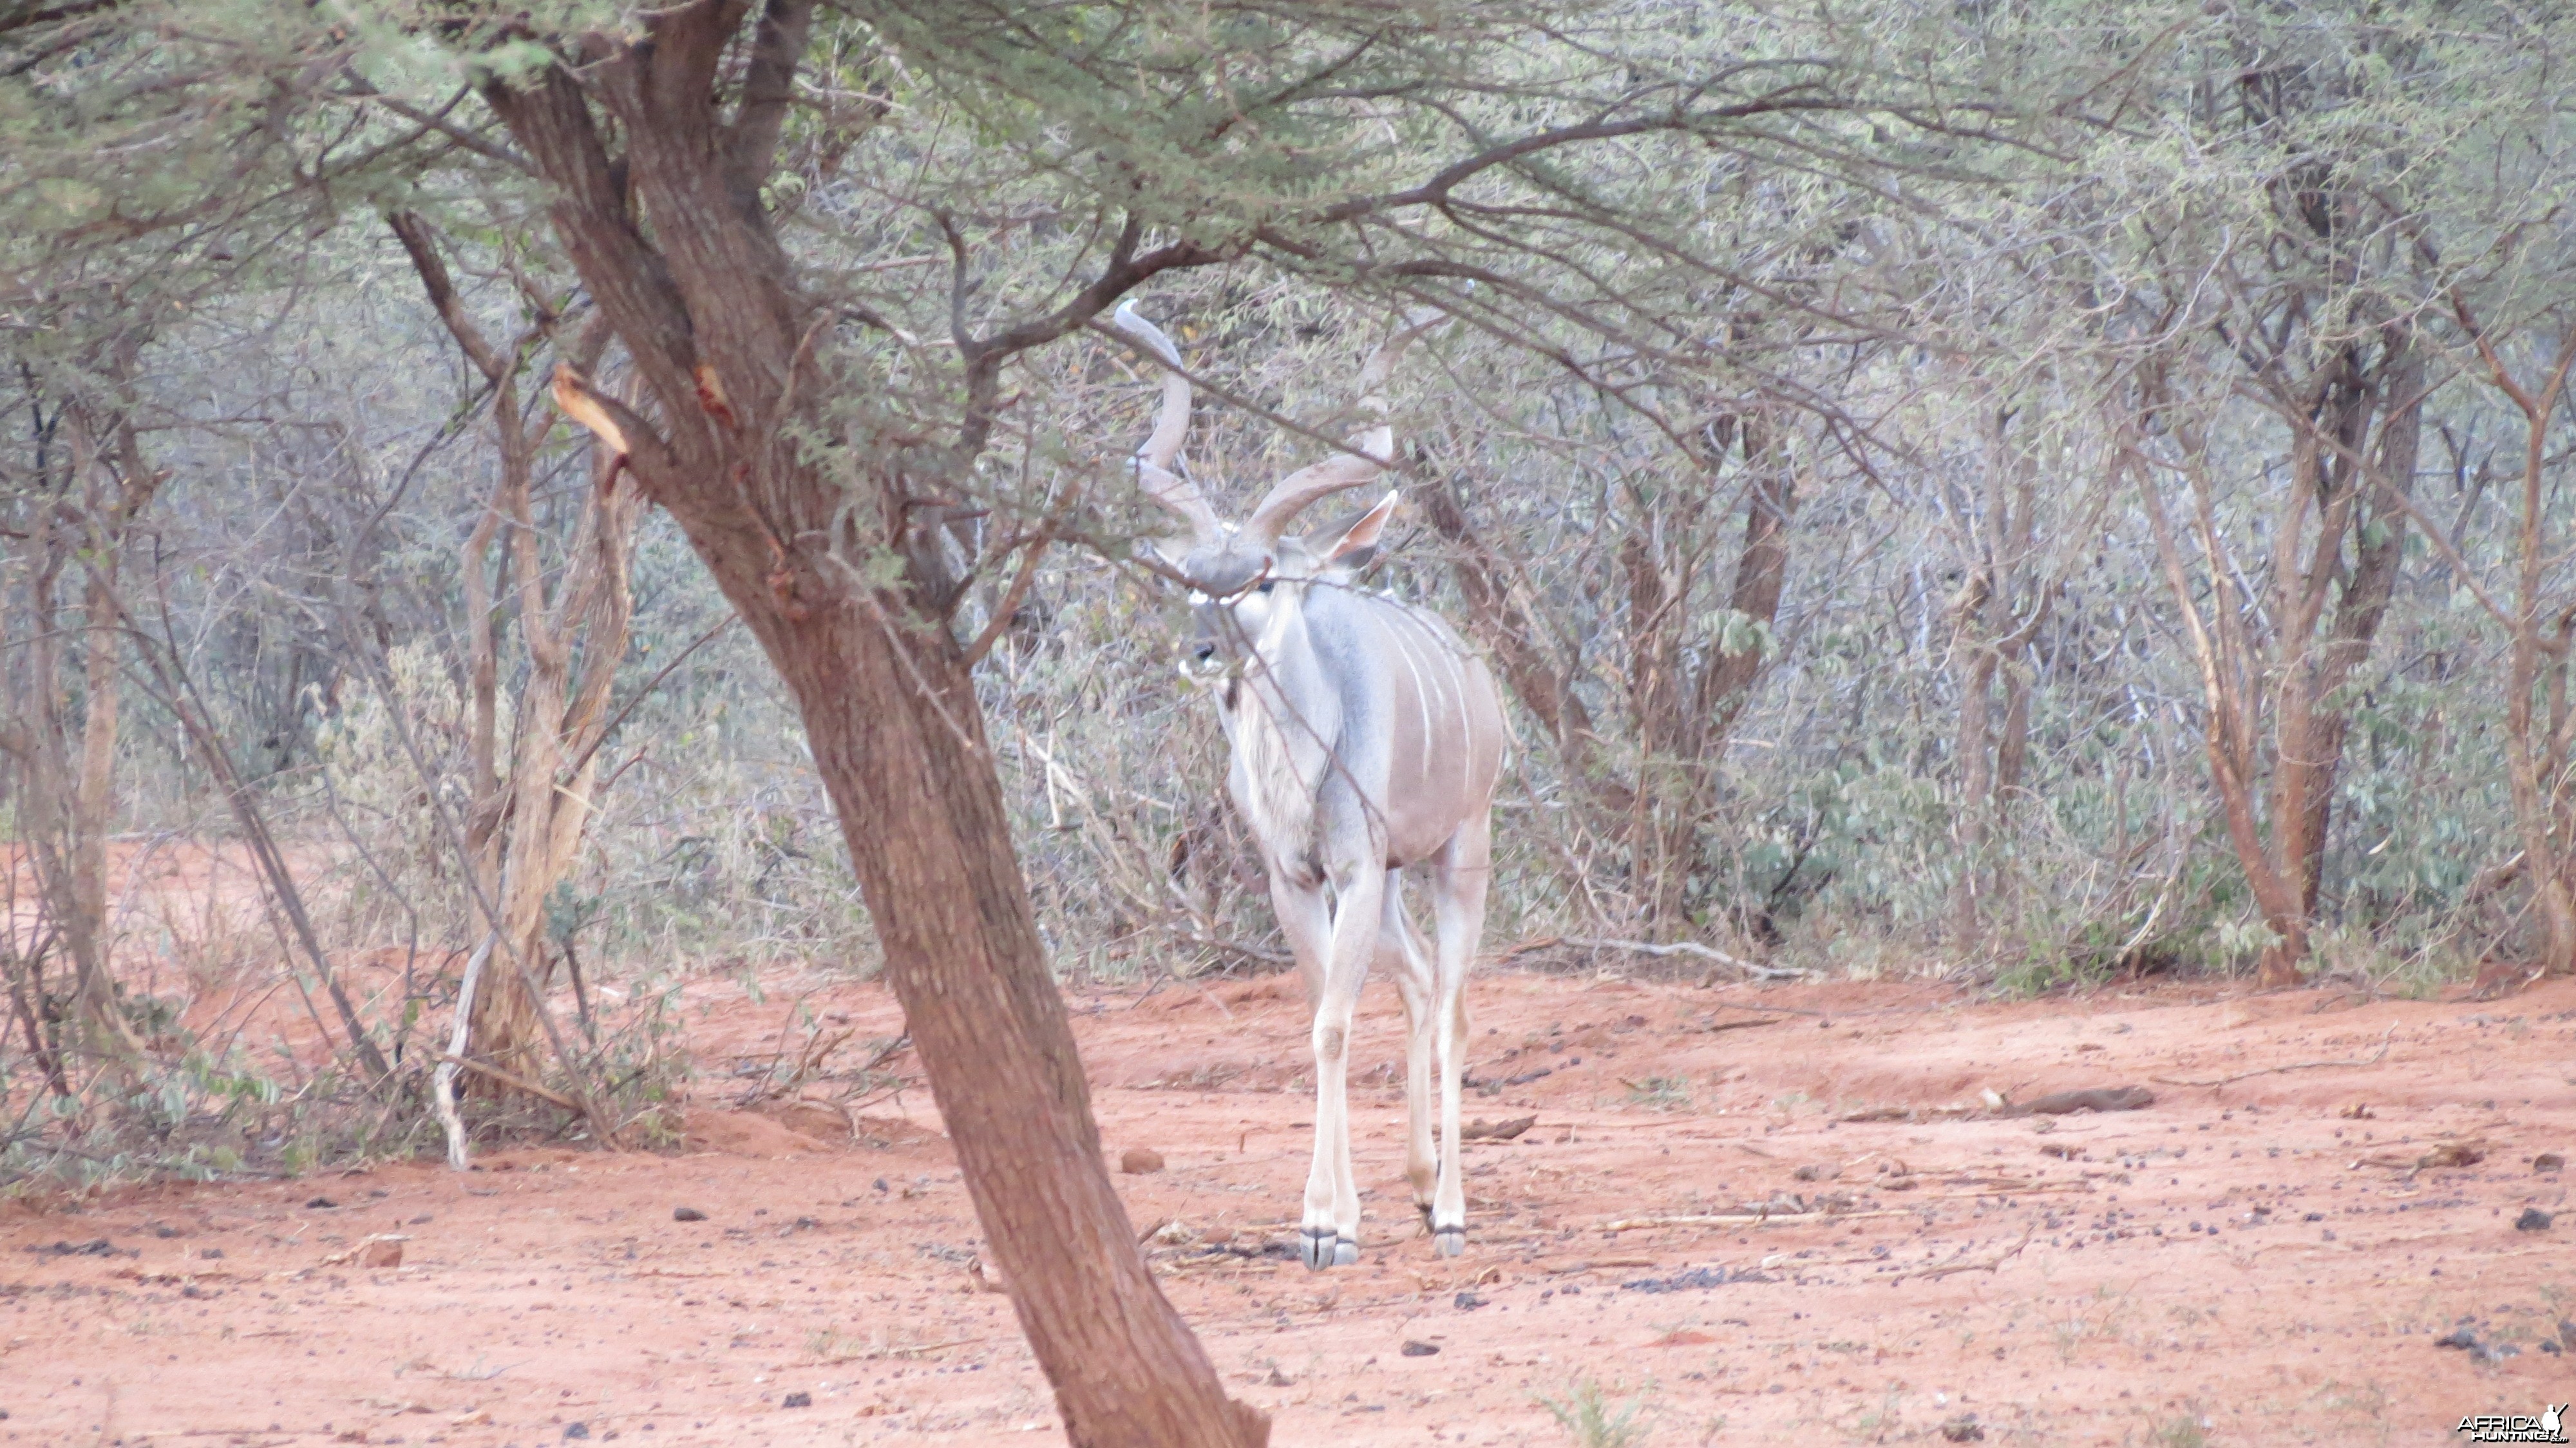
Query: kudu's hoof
point(1449, 1241)
point(1320, 1249)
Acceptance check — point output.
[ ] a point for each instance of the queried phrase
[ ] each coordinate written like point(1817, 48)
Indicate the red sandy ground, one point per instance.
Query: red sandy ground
point(553, 1288)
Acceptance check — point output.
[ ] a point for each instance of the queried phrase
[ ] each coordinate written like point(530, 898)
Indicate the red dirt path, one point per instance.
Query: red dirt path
point(2246, 1262)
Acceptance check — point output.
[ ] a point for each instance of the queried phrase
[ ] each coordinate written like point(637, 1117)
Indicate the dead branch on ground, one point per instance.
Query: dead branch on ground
point(2372, 1059)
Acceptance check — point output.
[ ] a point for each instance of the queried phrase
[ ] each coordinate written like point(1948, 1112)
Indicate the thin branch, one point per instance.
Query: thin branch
point(481, 1068)
point(1019, 589)
point(480, 145)
point(2372, 1059)
point(1751, 969)
point(434, 279)
point(609, 730)
point(1983, 1264)
point(47, 15)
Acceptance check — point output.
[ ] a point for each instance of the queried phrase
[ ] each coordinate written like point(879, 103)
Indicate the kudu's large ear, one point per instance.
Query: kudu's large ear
point(1169, 552)
point(1358, 542)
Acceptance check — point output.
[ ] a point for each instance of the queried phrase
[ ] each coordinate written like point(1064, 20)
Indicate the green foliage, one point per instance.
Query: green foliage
point(1660, 1093)
point(1589, 1415)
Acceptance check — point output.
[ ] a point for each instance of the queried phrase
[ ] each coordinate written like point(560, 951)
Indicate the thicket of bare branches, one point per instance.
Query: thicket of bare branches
point(2020, 494)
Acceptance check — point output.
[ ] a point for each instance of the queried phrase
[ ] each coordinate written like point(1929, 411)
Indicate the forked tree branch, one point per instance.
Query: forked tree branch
point(423, 248)
point(768, 88)
point(551, 118)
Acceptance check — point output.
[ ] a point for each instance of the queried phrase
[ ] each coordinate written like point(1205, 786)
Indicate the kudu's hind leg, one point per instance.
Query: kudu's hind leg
point(1406, 957)
point(1459, 877)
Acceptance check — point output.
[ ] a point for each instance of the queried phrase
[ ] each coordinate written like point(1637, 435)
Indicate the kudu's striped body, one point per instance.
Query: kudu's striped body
point(1366, 737)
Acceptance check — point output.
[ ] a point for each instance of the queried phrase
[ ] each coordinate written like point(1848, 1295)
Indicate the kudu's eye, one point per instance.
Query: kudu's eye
point(1266, 585)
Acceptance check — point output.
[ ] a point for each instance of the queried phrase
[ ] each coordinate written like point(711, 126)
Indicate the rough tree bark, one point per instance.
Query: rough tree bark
point(710, 310)
point(2354, 484)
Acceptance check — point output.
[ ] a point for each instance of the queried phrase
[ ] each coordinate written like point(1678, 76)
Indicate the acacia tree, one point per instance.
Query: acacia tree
point(2292, 287)
point(134, 192)
point(2505, 323)
point(724, 337)
point(2001, 603)
point(824, 464)
point(2540, 719)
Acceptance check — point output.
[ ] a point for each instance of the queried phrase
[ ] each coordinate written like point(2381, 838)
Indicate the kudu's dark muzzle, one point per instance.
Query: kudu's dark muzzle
point(1219, 576)
point(1216, 635)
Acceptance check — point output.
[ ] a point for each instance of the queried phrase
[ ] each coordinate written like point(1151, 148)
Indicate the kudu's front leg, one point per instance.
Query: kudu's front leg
point(1307, 921)
point(1329, 1233)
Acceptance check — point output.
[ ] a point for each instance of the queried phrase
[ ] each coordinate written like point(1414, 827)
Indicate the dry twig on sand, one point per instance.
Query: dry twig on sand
point(515, 1083)
point(1751, 970)
point(2055, 1103)
point(2373, 1059)
point(1748, 1219)
point(1986, 1264)
point(2098, 1098)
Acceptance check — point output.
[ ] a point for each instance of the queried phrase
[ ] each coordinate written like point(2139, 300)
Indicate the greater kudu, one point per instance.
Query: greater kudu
point(1366, 737)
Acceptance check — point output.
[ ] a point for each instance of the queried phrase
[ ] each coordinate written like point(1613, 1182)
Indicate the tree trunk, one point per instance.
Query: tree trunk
point(525, 827)
point(2385, 483)
point(2535, 746)
point(1663, 823)
point(1976, 765)
point(2345, 486)
point(72, 798)
point(94, 795)
point(2220, 651)
point(898, 738)
point(1680, 716)
point(1996, 545)
point(1506, 628)
point(1761, 575)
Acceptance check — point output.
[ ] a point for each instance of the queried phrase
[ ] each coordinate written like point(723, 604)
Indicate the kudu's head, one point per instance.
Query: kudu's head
point(1249, 579)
